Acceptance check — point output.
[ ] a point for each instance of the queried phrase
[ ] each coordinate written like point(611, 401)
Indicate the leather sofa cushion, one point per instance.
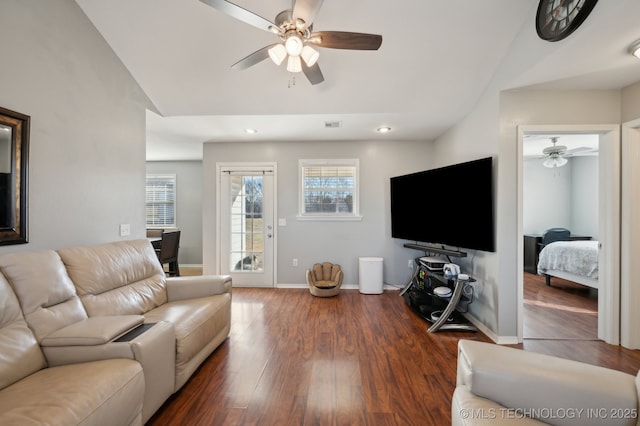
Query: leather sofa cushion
point(121, 278)
point(196, 323)
point(46, 294)
point(20, 354)
point(106, 392)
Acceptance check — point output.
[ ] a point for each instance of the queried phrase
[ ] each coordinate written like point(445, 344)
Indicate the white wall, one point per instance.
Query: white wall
point(87, 153)
point(546, 196)
point(491, 129)
point(188, 205)
point(584, 196)
point(565, 197)
point(310, 242)
point(631, 102)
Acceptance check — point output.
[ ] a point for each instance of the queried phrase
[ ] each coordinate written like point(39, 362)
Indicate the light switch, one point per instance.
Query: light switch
point(282, 222)
point(125, 229)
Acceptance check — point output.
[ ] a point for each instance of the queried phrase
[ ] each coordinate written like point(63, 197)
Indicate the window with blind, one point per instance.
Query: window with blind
point(161, 201)
point(329, 189)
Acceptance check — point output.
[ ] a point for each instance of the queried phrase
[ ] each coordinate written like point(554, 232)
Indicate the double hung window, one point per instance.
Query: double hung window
point(329, 190)
point(161, 201)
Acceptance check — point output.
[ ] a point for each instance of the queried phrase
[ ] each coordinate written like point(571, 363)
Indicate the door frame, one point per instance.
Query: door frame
point(609, 223)
point(247, 166)
point(630, 233)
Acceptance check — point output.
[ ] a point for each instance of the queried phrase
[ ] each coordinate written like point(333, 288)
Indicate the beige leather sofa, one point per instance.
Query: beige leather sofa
point(98, 335)
point(498, 385)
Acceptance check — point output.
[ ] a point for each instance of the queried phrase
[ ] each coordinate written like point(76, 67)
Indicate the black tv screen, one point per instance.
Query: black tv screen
point(451, 206)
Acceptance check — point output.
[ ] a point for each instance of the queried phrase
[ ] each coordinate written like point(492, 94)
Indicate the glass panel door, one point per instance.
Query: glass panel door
point(246, 214)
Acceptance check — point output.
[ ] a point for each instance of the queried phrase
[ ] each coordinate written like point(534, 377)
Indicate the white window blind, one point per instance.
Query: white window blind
point(161, 201)
point(329, 188)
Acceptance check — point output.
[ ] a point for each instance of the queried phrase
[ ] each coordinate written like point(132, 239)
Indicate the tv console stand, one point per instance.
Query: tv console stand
point(424, 301)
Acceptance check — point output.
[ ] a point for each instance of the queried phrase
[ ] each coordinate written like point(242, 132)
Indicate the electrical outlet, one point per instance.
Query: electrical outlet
point(295, 262)
point(125, 229)
point(410, 264)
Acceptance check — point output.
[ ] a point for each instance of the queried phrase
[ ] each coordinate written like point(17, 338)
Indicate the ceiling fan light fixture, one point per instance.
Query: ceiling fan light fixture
point(294, 64)
point(554, 161)
point(634, 49)
point(300, 24)
point(310, 55)
point(277, 53)
point(293, 44)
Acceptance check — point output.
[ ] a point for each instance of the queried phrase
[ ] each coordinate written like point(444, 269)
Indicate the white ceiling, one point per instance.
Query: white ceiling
point(435, 60)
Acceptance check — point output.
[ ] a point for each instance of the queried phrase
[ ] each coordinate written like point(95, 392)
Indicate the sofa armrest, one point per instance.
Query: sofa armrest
point(519, 379)
point(92, 331)
point(183, 288)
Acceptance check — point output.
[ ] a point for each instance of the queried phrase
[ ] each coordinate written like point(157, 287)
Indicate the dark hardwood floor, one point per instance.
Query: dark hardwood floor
point(294, 359)
point(565, 310)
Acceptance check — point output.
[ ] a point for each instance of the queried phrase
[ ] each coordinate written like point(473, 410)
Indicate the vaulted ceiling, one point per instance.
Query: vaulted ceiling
point(435, 61)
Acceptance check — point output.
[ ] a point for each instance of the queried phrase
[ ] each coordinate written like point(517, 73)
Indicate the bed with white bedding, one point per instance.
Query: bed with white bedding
point(571, 260)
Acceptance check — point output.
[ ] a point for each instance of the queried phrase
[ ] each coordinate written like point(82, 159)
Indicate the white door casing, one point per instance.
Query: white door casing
point(245, 223)
point(609, 224)
point(630, 236)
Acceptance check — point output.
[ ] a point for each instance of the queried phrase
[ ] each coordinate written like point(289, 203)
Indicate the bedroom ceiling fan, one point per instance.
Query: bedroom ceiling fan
point(556, 155)
point(294, 27)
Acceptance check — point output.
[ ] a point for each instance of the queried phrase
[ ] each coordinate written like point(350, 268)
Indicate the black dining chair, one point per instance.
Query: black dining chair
point(555, 234)
point(168, 252)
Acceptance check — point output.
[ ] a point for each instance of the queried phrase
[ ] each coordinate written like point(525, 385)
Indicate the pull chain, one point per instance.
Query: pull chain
point(292, 80)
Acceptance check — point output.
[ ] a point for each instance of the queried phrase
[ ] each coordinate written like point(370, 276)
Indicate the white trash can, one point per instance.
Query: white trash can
point(370, 274)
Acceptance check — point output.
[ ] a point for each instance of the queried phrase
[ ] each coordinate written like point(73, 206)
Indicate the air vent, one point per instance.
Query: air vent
point(332, 124)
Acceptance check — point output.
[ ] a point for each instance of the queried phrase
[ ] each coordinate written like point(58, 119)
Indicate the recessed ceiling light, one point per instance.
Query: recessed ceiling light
point(251, 131)
point(385, 129)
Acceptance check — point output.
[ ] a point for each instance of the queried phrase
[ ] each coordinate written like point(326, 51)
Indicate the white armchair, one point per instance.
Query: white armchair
point(498, 385)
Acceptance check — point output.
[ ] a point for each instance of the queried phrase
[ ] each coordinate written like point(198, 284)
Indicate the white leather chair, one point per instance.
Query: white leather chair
point(497, 385)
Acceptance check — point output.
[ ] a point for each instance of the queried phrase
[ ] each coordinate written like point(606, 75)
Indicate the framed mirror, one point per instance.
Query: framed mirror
point(14, 165)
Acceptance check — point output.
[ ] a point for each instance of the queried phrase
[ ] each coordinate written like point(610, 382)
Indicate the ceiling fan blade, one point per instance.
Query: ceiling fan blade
point(313, 73)
point(581, 150)
point(254, 58)
point(346, 40)
point(306, 10)
point(240, 13)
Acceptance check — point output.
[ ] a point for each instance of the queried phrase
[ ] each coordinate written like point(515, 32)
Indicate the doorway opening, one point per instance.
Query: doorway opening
point(568, 181)
point(560, 202)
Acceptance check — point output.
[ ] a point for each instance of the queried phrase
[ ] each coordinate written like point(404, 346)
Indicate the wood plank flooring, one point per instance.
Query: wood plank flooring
point(294, 359)
point(565, 310)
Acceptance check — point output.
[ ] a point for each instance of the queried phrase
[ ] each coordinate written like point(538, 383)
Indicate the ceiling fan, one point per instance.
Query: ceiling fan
point(556, 155)
point(294, 27)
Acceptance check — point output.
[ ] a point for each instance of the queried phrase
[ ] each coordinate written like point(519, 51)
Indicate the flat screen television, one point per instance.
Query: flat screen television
point(450, 206)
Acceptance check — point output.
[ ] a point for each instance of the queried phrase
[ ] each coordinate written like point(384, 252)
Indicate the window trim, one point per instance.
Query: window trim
point(348, 162)
point(172, 176)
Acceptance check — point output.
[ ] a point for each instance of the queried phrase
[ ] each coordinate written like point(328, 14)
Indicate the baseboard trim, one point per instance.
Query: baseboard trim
point(500, 340)
point(386, 287)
